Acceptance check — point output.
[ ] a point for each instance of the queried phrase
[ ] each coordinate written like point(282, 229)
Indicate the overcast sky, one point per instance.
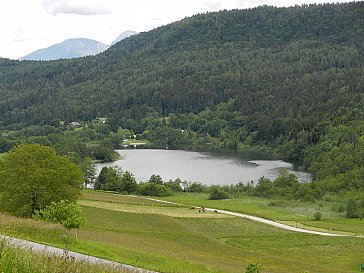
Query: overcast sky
point(28, 25)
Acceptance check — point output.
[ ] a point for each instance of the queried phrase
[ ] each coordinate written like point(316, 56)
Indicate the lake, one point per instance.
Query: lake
point(205, 167)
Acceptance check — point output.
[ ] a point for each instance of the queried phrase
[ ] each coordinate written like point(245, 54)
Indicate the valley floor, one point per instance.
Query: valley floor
point(173, 238)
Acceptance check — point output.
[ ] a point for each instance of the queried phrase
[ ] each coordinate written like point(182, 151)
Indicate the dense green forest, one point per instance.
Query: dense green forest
point(286, 80)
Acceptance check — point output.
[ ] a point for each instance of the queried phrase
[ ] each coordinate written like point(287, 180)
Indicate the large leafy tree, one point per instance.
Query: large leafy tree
point(33, 176)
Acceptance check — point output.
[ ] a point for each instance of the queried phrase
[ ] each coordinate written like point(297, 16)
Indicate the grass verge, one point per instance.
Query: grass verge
point(18, 259)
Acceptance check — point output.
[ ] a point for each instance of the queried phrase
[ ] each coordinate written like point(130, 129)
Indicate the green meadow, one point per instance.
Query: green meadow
point(173, 238)
point(295, 213)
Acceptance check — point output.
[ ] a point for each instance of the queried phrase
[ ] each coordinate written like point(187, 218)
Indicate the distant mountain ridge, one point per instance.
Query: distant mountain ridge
point(124, 35)
point(68, 49)
point(73, 48)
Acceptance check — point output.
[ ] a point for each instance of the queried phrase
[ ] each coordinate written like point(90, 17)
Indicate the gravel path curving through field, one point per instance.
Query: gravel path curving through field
point(265, 221)
point(70, 254)
point(280, 225)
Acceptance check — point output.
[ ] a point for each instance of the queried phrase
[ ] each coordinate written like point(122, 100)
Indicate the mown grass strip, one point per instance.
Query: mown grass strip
point(151, 209)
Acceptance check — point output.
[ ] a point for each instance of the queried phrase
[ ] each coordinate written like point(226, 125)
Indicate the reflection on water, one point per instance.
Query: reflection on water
point(205, 167)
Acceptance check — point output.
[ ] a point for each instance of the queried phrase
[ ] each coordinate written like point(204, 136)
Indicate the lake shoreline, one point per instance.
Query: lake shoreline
point(207, 168)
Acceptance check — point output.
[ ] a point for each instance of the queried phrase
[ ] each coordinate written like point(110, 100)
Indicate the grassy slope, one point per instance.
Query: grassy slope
point(188, 241)
point(16, 259)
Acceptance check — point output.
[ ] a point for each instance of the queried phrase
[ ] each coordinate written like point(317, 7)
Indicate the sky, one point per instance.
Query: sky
point(28, 25)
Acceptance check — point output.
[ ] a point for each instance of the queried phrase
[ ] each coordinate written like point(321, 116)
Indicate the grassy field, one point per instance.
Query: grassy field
point(294, 213)
point(170, 238)
point(133, 204)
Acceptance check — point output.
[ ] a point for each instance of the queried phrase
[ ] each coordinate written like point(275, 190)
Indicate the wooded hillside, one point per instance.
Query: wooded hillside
point(288, 78)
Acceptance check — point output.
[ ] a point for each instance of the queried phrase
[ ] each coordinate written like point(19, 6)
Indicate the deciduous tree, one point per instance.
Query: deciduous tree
point(33, 176)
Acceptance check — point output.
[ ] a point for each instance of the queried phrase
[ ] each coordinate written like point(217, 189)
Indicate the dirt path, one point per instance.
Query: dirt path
point(279, 225)
point(78, 256)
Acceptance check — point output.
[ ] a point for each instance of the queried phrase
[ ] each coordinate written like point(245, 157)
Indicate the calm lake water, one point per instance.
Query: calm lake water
point(205, 167)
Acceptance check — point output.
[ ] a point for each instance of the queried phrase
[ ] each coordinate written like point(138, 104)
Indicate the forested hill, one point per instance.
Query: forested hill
point(283, 72)
point(308, 59)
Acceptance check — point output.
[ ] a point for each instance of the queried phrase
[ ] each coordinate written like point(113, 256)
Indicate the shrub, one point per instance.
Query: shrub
point(317, 216)
point(305, 193)
point(175, 186)
point(217, 194)
point(328, 198)
point(153, 189)
point(338, 207)
point(253, 268)
point(65, 213)
point(194, 187)
point(278, 203)
point(352, 209)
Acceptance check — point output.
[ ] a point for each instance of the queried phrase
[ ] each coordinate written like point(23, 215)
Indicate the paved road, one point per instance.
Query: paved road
point(78, 256)
point(265, 221)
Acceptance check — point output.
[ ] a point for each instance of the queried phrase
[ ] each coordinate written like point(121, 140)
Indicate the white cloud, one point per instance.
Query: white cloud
point(252, 3)
point(213, 4)
point(19, 33)
point(79, 7)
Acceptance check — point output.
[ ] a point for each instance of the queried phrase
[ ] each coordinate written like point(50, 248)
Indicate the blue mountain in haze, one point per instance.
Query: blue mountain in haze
point(73, 48)
point(68, 49)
